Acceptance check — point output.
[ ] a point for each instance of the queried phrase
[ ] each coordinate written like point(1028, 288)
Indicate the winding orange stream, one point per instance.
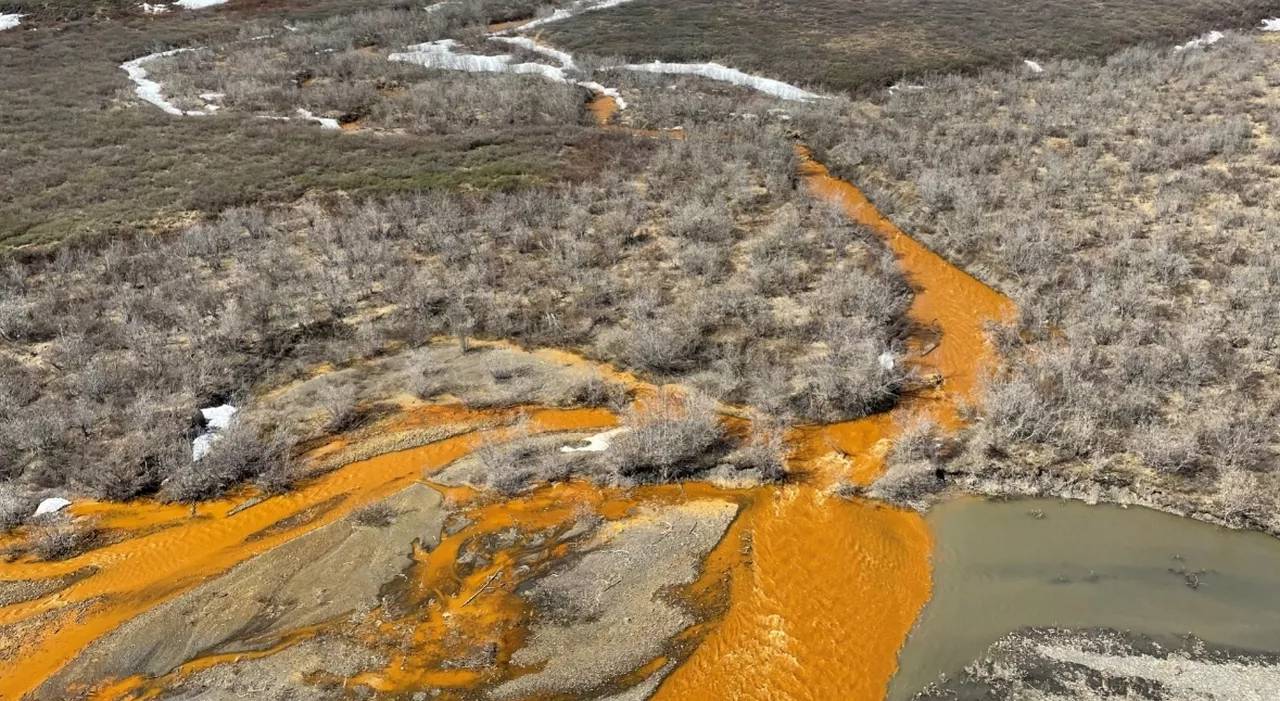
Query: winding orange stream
point(822, 590)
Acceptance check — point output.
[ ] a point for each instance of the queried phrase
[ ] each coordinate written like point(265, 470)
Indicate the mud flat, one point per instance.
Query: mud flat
point(329, 572)
point(1003, 566)
point(1068, 665)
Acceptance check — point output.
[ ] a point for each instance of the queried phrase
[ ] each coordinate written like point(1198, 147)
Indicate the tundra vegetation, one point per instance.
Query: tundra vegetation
point(694, 261)
point(84, 159)
point(1128, 206)
point(853, 46)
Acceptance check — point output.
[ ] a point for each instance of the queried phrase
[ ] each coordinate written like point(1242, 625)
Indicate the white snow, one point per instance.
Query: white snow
point(212, 96)
point(198, 4)
point(439, 6)
point(715, 71)
point(1201, 42)
point(52, 505)
point(595, 444)
point(156, 9)
point(149, 90)
point(1271, 25)
point(576, 8)
point(565, 60)
point(9, 21)
point(440, 54)
point(1033, 66)
point(325, 122)
point(887, 361)
point(216, 419)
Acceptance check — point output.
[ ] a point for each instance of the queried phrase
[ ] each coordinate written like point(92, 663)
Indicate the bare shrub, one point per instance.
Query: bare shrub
point(379, 515)
point(61, 537)
point(243, 451)
point(765, 452)
point(670, 436)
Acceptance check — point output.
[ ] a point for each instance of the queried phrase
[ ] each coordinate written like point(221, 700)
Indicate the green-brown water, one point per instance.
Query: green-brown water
point(1000, 566)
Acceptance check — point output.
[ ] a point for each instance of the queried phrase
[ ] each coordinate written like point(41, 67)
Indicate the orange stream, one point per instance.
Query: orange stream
point(822, 591)
point(831, 588)
point(139, 573)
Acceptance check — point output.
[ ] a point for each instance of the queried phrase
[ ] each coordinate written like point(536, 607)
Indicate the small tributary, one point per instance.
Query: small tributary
point(1001, 566)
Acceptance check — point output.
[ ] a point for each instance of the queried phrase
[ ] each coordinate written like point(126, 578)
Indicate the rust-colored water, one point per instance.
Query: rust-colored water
point(945, 296)
point(822, 590)
point(136, 574)
point(831, 588)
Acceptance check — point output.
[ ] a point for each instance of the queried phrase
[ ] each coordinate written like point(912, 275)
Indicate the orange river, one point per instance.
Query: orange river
point(822, 590)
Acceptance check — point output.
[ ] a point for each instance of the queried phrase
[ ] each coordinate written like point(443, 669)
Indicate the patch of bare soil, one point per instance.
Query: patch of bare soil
point(606, 614)
point(329, 572)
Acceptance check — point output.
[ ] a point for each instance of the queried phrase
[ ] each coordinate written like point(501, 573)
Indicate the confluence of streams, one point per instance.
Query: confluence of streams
point(820, 602)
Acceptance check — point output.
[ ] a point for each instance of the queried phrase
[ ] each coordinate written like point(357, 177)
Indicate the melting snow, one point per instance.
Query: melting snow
point(1201, 42)
point(1033, 66)
point(1271, 25)
point(564, 59)
point(9, 21)
point(154, 9)
point(198, 4)
point(216, 419)
point(52, 505)
point(574, 9)
point(440, 54)
point(595, 444)
point(715, 71)
point(325, 122)
point(149, 90)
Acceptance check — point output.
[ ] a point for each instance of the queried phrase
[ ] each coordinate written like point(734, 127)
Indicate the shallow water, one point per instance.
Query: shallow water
point(997, 568)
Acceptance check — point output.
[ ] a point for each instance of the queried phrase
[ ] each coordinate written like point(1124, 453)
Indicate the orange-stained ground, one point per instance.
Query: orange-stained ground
point(139, 573)
point(823, 590)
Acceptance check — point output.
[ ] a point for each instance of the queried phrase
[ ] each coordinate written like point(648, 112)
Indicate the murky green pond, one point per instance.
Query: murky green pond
point(1000, 566)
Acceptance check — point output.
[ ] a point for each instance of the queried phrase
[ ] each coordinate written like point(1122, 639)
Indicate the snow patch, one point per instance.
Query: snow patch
point(325, 122)
point(887, 361)
point(595, 444)
point(439, 6)
point(715, 71)
point(52, 505)
point(198, 4)
point(1033, 66)
point(9, 21)
point(216, 420)
point(154, 9)
point(1200, 42)
point(576, 8)
point(565, 60)
point(1271, 25)
point(440, 54)
point(149, 90)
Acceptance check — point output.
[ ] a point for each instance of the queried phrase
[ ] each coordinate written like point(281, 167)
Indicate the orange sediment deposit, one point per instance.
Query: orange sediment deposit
point(136, 574)
point(449, 611)
point(509, 24)
point(603, 107)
